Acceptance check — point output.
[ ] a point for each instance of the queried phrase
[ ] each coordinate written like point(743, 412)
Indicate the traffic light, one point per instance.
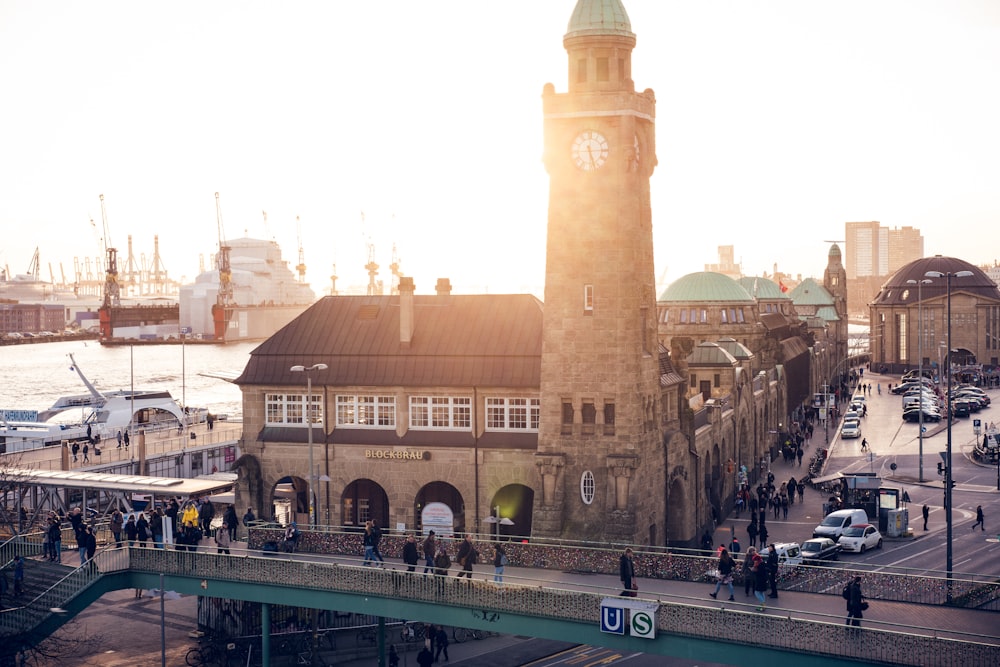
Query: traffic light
point(940, 468)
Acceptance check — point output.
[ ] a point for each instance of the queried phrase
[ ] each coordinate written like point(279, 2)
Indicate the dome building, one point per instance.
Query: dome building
point(909, 316)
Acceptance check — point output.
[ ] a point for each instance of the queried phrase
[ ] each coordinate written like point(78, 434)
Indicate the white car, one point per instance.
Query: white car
point(851, 429)
point(860, 537)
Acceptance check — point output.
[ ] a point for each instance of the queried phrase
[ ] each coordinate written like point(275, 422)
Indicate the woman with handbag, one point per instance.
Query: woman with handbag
point(725, 576)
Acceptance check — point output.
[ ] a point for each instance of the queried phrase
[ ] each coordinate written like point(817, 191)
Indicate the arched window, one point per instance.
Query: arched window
point(587, 487)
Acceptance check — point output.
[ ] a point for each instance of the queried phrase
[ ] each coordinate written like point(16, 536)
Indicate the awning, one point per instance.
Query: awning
point(828, 478)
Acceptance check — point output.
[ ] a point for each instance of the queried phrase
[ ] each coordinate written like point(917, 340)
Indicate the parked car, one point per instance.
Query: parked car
point(834, 523)
point(860, 537)
point(851, 429)
point(961, 408)
point(912, 414)
point(820, 549)
point(789, 553)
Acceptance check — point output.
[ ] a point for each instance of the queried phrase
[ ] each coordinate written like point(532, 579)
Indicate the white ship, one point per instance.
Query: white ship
point(265, 295)
point(95, 415)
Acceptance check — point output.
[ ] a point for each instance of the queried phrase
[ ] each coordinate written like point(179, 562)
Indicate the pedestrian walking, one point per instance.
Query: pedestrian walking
point(979, 519)
point(90, 541)
point(55, 540)
point(131, 531)
point(425, 658)
point(626, 572)
point(442, 645)
point(86, 452)
point(18, 576)
point(76, 450)
point(759, 571)
point(410, 555)
point(926, 511)
point(368, 542)
point(467, 557)
point(725, 574)
point(752, 532)
point(231, 520)
point(142, 529)
point(376, 539)
point(117, 524)
point(762, 536)
point(81, 544)
point(499, 563)
point(430, 550)
point(223, 539)
point(855, 603)
point(748, 574)
point(125, 439)
point(119, 436)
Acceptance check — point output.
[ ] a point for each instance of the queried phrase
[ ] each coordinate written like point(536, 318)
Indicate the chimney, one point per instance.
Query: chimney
point(405, 311)
point(443, 287)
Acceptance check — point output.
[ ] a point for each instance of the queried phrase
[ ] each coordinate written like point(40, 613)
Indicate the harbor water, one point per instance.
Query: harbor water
point(32, 377)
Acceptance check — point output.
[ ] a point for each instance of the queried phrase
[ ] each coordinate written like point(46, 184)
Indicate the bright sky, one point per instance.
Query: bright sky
point(777, 122)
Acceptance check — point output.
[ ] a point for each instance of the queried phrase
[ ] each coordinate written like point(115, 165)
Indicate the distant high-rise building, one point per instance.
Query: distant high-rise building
point(727, 263)
point(905, 245)
point(872, 253)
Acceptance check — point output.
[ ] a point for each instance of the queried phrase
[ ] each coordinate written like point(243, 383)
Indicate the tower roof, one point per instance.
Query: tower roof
point(897, 291)
point(599, 17)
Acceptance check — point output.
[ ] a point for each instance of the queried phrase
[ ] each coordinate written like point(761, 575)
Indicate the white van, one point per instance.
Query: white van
point(789, 553)
point(834, 523)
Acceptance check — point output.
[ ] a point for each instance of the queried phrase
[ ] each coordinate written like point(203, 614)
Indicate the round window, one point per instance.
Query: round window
point(587, 487)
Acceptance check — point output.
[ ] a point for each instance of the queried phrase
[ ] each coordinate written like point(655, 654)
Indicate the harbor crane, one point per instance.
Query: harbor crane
point(396, 273)
point(301, 266)
point(112, 289)
point(225, 296)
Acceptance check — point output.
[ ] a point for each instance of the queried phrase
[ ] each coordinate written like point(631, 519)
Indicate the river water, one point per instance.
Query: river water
point(32, 377)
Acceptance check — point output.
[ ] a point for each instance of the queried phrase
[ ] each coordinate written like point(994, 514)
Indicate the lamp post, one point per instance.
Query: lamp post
point(920, 371)
point(496, 520)
point(947, 453)
point(309, 432)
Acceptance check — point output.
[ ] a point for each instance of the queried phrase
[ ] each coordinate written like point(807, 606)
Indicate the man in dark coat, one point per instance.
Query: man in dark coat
point(626, 572)
point(772, 569)
point(854, 603)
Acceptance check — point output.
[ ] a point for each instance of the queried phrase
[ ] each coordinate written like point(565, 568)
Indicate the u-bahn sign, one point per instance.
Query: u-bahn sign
point(620, 616)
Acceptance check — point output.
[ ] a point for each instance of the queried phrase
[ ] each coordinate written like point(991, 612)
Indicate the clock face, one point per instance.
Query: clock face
point(590, 150)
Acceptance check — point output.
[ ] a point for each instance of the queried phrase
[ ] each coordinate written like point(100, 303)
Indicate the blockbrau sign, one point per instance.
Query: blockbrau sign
point(632, 617)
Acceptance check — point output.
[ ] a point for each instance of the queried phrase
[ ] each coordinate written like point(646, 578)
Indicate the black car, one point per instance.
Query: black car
point(819, 549)
point(961, 408)
point(912, 414)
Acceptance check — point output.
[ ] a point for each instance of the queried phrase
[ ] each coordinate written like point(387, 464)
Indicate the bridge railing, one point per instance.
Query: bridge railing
point(888, 583)
point(537, 598)
point(525, 597)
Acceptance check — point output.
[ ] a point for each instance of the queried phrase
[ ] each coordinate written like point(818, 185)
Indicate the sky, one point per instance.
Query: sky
point(418, 125)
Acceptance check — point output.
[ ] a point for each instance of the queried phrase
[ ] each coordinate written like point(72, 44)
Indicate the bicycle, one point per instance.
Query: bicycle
point(211, 652)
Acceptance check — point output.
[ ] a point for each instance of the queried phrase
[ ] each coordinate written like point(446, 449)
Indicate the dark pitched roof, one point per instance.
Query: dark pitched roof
point(458, 340)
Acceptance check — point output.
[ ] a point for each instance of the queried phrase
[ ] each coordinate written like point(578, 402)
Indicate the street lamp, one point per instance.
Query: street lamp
point(496, 520)
point(309, 431)
point(920, 370)
point(947, 453)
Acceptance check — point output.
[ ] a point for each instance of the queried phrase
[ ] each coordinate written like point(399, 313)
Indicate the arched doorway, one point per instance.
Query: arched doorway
point(446, 494)
point(516, 502)
point(679, 525)
point(290, 501)
point(364, 500)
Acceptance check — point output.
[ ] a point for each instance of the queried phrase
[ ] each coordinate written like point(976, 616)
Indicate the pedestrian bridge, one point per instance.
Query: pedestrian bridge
point(567, 608)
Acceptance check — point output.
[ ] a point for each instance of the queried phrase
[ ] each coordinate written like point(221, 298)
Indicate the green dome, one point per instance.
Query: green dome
point(761, 288)
point(810, 293)
point(599, 17)
point(705, 286)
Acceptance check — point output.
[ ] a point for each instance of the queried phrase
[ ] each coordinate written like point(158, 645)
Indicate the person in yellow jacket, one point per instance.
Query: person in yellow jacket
point(190, 516)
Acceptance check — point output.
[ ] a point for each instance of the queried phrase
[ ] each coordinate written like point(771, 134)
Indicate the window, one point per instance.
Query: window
point(512, 414)
point(440, 412)
point(587, 487)
point(289, 409)
point(609, 418)
point(684, 316)
point(366, 411)
point(716, 379)
point(588, 298)
point(739, 316)
point(724, 318)
point(703, 316)
point(602, 69)
point(589, 415)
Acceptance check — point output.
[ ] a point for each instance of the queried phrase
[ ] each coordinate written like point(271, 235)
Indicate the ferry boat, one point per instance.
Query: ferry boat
point(91, 417)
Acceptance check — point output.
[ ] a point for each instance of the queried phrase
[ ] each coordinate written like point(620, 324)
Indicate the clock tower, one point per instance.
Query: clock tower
point(601, 457)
